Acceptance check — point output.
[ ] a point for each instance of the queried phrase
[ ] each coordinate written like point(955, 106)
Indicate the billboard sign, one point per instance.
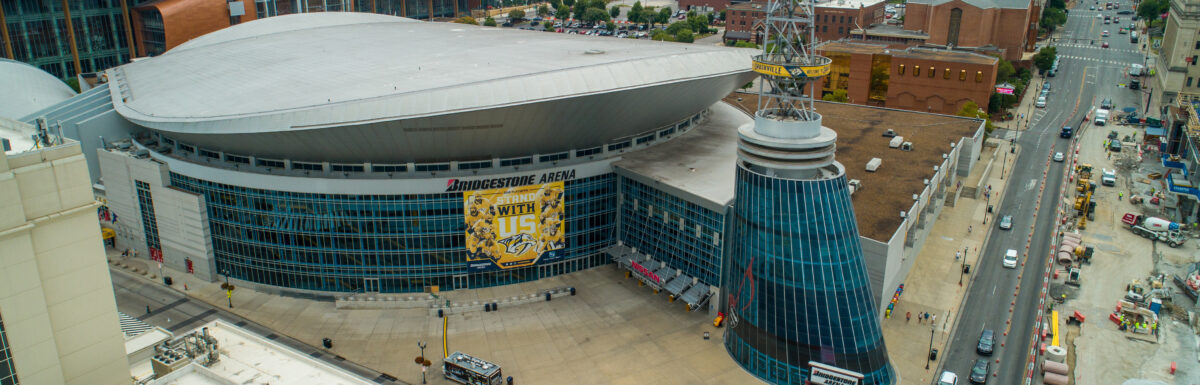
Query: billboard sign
point(822, 374)
point(514, 227)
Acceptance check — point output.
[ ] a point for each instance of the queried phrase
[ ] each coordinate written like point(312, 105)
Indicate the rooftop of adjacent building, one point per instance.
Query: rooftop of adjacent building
point(848, 4)
point(890, 30)
point(25, 89)
point(946, 55)
point(248, 358)
point(703, 161)
point(983, 4)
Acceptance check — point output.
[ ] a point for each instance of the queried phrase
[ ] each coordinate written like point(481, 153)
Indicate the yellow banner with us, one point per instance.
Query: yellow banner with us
point(514, 227)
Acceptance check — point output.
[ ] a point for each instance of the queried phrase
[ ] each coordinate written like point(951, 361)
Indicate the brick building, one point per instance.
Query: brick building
point(834, 18)
point(989, 25)
point(918, 79)
point(164, 24)
point(715, 5)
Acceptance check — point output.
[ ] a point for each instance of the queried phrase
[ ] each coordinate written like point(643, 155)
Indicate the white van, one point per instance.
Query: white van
point(1010, 258)
point(1101, 117)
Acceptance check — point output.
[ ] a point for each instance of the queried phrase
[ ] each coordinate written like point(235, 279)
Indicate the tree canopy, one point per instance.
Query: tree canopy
point(466, 20)
point(840, 96)
point(1052, 18)
point(543, 10)
point(1044, 59)
point(489, 22)
point(516, 15)
point(1152, 9)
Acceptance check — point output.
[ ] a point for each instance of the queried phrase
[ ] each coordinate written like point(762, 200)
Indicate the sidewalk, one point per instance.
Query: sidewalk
point(933, 283)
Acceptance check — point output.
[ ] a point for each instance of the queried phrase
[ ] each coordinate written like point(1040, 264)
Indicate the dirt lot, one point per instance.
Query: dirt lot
point(1104, 354)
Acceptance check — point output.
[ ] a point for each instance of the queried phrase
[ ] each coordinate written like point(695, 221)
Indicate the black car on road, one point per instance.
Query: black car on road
point(979, 372)
point(987, 341)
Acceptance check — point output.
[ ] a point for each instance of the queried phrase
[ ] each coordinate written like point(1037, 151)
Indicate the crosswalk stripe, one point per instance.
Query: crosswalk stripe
point(132, 327)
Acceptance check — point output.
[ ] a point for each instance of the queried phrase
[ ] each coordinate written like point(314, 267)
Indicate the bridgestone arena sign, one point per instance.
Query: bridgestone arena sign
point(457, 185)
point(821, 374)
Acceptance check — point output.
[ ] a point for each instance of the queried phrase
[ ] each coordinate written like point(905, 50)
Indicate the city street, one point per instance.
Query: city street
point(1087, 74)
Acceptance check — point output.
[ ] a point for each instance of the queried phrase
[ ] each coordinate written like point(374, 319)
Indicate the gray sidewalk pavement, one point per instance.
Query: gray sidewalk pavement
point(933, 282)
point(612, 332)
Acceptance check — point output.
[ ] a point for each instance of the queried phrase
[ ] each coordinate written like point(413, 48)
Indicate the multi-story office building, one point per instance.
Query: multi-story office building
point(1177, 72)
point(95, 37)
point(58, 319)
point(833, 20)
point(918, 79)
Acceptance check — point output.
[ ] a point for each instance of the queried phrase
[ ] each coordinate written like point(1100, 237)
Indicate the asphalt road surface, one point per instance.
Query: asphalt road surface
point(1087, 74)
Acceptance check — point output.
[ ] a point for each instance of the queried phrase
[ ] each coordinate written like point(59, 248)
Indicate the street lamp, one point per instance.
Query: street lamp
point(421, 360)
point(963, 270)
point(228, 288)
point(929, 356)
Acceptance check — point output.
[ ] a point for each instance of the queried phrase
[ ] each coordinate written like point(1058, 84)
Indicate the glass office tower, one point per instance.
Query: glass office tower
point(36, 33)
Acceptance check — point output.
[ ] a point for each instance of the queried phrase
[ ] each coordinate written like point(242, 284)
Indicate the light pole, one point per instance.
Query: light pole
point(929, 356)
point(422, 344)
point(228, 288)
point(963, 270)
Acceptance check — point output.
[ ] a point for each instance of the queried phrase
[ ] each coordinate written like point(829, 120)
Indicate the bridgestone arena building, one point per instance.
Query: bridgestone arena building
point(328, 153)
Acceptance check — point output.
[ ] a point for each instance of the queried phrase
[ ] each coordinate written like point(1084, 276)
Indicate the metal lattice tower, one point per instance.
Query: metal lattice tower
point(787, 138)
point(787, 65)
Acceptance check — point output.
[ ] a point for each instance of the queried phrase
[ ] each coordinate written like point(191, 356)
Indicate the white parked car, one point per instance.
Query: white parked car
point(1041, 102)
point(1058, 157)
point(948, 378)
point(1010, 258)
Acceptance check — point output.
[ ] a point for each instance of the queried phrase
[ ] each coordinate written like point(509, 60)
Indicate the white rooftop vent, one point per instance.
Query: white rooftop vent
point(896, 142)
point(903, 214)
point(855, 185)
point(906, 146)
point(874, 164)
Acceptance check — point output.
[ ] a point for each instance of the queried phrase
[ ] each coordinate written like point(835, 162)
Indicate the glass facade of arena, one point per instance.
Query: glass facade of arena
point(37, 34)
point(400, 243)
point(8, 371)
point(797, 285)
point(672, 230)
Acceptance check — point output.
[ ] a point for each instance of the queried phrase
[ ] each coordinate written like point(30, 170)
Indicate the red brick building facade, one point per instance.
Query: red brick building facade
point(1003, 24)
point(834, 19)
point(918, 79)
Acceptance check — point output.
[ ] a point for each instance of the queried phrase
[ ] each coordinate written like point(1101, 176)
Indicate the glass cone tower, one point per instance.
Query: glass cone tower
point(797, 291)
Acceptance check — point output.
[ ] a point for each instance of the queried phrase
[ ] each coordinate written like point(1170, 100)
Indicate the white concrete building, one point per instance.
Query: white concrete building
point(58, 316)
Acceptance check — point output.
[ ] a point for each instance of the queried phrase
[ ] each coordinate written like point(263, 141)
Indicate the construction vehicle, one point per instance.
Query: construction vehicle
point(1154, 228)
point(1083, 201)
point(1142, 294)
point(1190, 282)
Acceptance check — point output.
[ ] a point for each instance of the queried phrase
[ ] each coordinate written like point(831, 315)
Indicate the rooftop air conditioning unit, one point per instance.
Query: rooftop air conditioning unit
point(874, 164)
point(855, 185)
point(896, 142)
point(906, 146)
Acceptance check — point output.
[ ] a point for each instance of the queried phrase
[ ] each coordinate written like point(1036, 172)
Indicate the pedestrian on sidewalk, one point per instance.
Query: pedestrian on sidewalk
point(969, 229)
point(957, 255)
point(933, 320)
point(908, 317)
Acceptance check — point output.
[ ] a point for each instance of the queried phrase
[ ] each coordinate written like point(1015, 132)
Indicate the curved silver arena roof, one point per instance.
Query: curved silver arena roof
point(365, 87)
point(25, 89)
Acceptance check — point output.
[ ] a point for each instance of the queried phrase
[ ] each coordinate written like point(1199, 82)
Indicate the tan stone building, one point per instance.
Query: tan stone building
point(58, 317)
point(1007, 27)
point(917, 79)
point(1177, 76)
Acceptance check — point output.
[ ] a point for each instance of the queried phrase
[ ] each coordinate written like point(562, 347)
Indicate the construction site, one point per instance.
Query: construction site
point(1121, 294)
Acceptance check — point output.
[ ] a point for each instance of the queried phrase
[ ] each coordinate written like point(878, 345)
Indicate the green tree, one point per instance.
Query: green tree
point(971, 110)
point(721, 15)
point(685, 36)
point(549, 25)
point(615, 11)
point(595, 15)
point(610, 26)
point(675, 27)
point(840, 96)
point(1151, 9)
point(489, 22)
point(543, 10)
point(598, 4)
point(466, 20)
point(1044, 59)
point(563, 13)
point(663, 16)
point(712, 17)
point(635, 12)
point(1004, 71)
point(569, 3)
point(661, 35)
point(1052, 18)
point(1059, 4)
point(579, 9)
point(516, 15)
point(699, 24)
